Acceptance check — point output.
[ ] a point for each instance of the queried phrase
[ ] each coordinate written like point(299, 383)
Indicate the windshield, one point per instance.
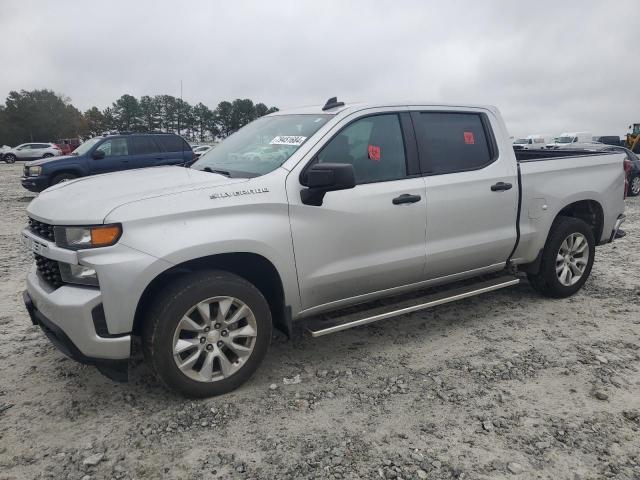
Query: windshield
point(261, 146)
point(566, 139)
point(86, 146)
point(521, 141)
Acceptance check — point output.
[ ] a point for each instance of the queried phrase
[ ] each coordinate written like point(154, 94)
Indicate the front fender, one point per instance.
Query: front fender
point(177, 229)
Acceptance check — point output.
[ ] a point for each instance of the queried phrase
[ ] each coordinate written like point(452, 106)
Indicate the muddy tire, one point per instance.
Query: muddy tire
point(567, 259)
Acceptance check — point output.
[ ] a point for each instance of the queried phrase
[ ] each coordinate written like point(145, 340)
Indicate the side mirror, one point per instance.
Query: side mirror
point(326, 177)
point(98, 155)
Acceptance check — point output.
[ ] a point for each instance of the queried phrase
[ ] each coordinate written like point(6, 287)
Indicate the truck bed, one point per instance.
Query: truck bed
point(574, 176)
point(551, 154)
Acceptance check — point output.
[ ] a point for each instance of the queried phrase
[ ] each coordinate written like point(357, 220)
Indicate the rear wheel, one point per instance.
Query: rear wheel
point(63, 177)
point(9, 158)
point(47, 155)
point(634, 186)
point(207, 333)
point(567, 258)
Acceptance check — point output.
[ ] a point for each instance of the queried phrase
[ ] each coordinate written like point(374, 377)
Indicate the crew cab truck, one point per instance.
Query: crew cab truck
point(298, 216)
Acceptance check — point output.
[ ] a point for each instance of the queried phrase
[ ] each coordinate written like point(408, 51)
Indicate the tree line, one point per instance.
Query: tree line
point(43, 116)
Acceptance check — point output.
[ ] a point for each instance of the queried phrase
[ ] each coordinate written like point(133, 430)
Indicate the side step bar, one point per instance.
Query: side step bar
point(331, 324)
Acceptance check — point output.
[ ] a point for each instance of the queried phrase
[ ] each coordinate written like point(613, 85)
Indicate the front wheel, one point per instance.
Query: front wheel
point(9, 158)
point(207, 333)
point(63, 177)
point(567, 258)
point(634, 186)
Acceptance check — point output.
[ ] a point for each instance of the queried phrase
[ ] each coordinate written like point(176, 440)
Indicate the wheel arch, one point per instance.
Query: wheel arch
point(253, 267)
point(589, 211)
point(71, 170)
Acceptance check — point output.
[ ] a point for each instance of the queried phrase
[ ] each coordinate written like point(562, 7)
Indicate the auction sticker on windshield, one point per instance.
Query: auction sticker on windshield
point(295, 140)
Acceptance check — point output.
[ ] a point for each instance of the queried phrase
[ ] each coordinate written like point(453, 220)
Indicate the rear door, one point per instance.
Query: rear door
point(472, 191)
point(175, 150)
point(145, 152)
point(116, 156)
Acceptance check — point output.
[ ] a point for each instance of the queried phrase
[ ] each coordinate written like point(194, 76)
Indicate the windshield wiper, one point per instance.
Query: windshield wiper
point(221, 172)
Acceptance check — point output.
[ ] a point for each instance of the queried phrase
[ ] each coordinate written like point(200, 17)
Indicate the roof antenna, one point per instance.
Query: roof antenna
point(332, 103)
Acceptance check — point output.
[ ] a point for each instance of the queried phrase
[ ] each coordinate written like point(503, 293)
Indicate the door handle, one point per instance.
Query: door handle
point(501, 186)
point(406, 198)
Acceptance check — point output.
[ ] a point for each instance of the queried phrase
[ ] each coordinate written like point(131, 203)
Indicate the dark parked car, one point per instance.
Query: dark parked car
point(109, 153)
point(609, 140)
point(632, 169)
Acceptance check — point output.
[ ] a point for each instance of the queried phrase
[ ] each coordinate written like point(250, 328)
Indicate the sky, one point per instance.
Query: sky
point(550, 66)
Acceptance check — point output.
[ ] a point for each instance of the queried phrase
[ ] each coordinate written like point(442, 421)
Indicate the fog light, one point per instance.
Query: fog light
point(78, 274)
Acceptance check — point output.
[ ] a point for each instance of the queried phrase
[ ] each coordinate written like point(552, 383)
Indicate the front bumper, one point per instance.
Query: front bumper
point(66, 315)
point(34, 184)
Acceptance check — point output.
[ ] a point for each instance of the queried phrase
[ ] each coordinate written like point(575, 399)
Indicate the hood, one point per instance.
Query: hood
point(88, 200)
point(42, 161)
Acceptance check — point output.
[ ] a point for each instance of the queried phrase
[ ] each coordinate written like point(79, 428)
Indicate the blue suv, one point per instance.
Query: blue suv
point(109, 153)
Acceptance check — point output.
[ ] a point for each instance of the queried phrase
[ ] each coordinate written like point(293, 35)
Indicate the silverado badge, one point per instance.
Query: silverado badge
point(237, 193)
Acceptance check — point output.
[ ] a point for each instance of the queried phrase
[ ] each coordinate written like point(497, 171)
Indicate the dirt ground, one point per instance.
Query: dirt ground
point(505, 385)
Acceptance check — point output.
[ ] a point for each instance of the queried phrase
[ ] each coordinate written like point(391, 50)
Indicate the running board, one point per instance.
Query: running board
point(326, 324)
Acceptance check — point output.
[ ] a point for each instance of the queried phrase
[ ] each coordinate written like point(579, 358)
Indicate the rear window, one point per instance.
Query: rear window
point(453, 142)
point(144, 145)
point(173, 143)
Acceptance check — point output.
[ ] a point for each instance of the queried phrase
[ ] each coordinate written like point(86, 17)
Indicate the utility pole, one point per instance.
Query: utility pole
point(180, 107)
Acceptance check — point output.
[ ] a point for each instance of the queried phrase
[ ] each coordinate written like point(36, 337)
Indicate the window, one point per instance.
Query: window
point(144, 145)
point(452, 142)
point(173, 143)
point(373, 145)
point(114, 147)
point(42, 145)
point(261, 146)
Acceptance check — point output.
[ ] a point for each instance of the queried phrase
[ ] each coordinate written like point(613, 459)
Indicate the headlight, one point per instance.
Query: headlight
point(78, 274)
point(34, 171)
point(77, 238)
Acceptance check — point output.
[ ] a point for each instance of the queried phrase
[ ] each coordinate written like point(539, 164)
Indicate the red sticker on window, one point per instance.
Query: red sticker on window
point(374, 153)
point(469, 139)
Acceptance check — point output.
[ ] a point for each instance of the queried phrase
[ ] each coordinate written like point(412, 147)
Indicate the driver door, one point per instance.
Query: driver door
point(25, 152)
point(368, 238)
point(116, 156)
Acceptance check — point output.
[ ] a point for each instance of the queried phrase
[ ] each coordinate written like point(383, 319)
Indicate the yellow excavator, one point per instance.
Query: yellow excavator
point(633, 138)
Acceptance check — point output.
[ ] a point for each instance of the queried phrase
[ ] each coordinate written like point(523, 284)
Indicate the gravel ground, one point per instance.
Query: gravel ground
point(506, 385)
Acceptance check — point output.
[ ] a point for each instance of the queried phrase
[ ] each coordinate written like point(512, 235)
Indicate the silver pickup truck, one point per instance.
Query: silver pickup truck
point(338, 215)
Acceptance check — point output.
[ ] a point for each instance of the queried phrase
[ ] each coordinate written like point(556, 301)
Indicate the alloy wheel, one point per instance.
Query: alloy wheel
point(214, 339)
point(572, 259)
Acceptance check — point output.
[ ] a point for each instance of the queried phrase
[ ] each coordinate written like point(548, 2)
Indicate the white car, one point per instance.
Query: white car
point(4, 149)
point(565, 139)
point(31, 151)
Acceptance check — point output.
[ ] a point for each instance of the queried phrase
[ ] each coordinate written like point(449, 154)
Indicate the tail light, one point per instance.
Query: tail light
point(627, 166)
